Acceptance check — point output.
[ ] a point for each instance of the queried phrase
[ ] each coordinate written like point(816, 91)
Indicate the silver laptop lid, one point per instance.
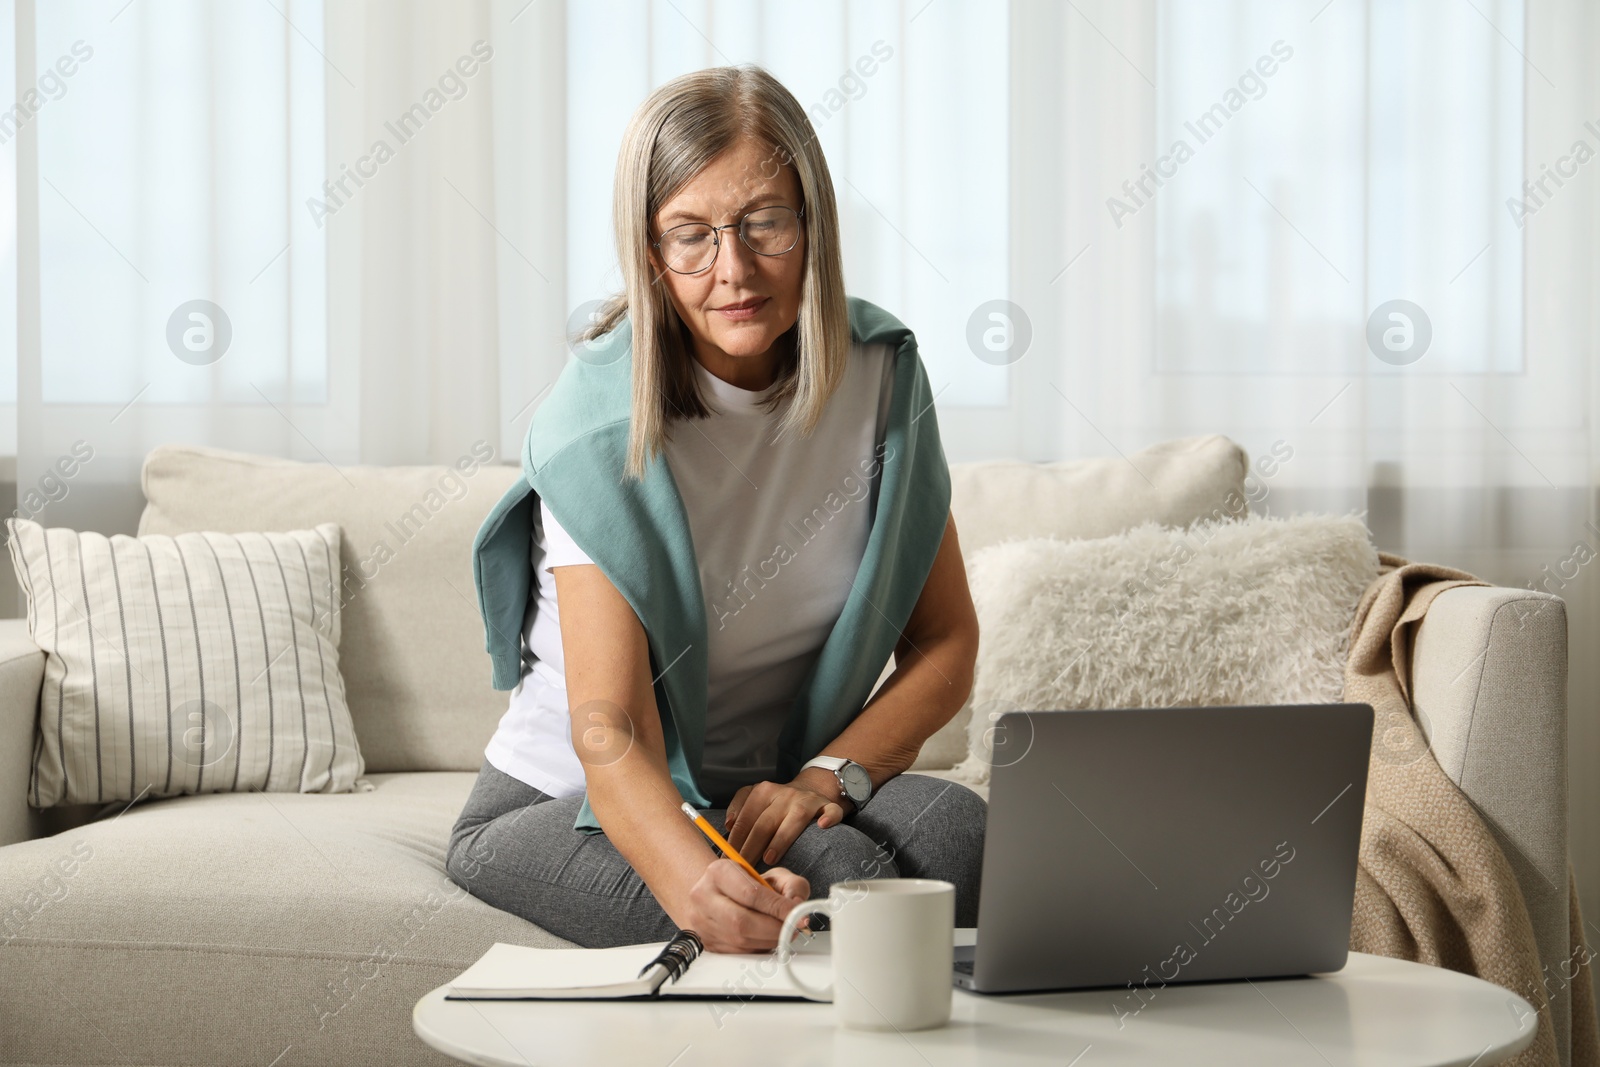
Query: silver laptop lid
point(1158, 845)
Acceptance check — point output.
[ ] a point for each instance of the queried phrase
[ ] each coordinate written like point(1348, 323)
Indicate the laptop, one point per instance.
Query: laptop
point(1147, 846)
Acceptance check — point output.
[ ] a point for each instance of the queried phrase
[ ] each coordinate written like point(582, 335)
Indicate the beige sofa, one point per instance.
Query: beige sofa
point(280, 929)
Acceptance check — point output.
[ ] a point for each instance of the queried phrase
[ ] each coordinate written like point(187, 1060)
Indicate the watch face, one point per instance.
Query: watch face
point(857, 782)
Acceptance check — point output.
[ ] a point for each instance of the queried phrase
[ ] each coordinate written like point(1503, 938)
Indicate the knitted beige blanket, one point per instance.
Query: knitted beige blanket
point(1432, 884)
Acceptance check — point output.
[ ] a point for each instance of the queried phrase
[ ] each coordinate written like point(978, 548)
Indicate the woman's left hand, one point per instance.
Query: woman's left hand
point(765, 819)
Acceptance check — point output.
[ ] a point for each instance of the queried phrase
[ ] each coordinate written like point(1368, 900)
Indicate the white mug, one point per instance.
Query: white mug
point(893, 951)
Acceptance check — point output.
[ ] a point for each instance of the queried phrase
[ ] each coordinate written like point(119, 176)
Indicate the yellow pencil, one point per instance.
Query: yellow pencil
point(722, 843)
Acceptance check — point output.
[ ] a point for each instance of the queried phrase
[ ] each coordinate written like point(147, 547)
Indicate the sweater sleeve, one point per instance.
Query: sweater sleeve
point(560, 549)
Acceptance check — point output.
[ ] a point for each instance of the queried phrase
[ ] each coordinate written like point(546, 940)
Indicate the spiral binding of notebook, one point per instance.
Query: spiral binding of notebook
point(677, 955)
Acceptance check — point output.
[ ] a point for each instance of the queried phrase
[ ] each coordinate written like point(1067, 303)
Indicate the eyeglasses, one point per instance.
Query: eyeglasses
point(767, 231)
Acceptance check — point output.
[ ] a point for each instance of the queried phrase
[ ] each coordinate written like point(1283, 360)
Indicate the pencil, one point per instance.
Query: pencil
point(722, 843)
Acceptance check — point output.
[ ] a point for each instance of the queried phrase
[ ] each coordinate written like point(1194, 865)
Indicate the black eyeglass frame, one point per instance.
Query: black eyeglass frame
point(716, 237)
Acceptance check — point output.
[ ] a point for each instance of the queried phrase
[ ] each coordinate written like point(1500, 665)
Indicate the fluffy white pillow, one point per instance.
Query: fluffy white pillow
point(1249, 611)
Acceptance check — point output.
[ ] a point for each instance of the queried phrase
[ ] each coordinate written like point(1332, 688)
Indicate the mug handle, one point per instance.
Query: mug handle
point(786, 954)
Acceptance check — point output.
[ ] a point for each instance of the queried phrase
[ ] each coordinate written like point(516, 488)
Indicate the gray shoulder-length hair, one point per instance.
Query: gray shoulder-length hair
point(678, 130)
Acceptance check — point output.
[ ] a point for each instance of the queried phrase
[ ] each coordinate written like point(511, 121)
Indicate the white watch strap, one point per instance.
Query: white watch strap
point(829, 763)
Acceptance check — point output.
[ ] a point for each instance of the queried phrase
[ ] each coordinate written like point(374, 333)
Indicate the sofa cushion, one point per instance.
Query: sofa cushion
point(1255, 611)
point(412, 649)
point(1173, 483)
point(201, 663)
point(225, 928)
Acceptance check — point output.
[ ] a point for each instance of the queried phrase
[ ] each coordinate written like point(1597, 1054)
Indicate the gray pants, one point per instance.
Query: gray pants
point(514, 847)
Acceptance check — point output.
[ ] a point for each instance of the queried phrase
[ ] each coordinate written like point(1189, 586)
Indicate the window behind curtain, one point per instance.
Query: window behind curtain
point(1339, 162)
point(8, 241)
point(175, 164)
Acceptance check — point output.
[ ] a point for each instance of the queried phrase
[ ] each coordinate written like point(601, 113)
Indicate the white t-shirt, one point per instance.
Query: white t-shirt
point(779, 531)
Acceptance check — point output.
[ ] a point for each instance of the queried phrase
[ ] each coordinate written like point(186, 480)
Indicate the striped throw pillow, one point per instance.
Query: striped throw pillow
point(200, 663)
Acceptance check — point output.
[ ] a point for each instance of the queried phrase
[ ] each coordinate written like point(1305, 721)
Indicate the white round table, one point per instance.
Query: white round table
point(1376, 1012)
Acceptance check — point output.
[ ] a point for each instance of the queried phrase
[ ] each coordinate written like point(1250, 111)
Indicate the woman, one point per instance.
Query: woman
point(752, 590)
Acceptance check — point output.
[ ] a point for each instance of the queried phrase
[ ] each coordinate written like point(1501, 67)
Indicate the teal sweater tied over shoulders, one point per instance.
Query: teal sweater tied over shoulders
point(637, 532)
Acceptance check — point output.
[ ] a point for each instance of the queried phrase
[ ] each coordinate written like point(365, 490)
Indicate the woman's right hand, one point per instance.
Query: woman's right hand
point(733, 914)
point(612, 699)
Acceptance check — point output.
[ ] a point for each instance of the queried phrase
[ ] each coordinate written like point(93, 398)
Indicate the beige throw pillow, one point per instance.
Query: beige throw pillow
point(201, 663)
point(412, 652)
point(1174, 483)
point(1253, 611)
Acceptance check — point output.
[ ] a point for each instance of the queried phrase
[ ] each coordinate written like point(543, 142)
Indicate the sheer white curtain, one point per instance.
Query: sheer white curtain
point(1010, 186)
point(171, 286)
point(392, 212)
point(460, 269)
point(369, 235)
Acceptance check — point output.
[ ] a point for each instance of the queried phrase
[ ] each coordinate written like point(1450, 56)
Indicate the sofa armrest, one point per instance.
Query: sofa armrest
point(1489, 684)
point(21, 674)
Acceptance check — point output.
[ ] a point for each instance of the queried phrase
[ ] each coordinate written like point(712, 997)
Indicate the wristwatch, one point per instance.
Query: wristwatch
point(853, 778)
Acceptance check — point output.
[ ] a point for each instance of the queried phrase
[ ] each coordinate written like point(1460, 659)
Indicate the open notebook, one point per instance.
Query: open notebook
point(677, 968)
